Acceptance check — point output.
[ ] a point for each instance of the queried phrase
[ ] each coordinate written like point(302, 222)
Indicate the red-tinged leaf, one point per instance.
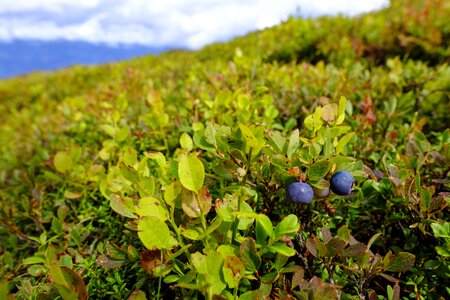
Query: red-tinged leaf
point(72, 195)
point(396, 294)
point(372, 240)
point(249, 255)
point(137, 295)
point(401, 262)
point(389, 277)
point(326, 292)
point(297, 278)
point(122, 206)
point(77, 285)
point(329, 112)
point(312, 247)
point(151, 259)
point(108, 263)
point(326, 233)
point(354, 250)
point(335, 246)
point(193, 204)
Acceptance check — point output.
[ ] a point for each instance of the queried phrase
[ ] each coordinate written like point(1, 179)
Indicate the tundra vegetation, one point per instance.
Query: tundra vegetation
point(166, 176)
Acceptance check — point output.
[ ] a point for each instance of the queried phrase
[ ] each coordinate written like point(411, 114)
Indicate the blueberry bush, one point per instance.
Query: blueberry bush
point(310, 160)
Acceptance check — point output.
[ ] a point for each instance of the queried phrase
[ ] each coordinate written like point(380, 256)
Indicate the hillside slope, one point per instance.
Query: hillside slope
point(94, 162)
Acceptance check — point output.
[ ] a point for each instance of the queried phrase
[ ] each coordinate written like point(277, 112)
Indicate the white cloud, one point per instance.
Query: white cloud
point(179, 23)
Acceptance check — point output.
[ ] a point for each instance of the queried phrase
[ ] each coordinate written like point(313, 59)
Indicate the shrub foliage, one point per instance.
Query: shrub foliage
point(165, 176)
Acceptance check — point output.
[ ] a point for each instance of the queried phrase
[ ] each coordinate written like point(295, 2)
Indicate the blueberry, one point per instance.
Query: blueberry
point(341, 183)
point(300, 192)
point(323, 190)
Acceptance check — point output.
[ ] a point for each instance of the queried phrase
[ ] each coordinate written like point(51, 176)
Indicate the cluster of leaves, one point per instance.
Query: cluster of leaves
point(165, 176)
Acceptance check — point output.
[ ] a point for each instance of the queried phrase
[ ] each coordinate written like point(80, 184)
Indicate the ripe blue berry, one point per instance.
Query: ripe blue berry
point(300, 192)
point(341, 183)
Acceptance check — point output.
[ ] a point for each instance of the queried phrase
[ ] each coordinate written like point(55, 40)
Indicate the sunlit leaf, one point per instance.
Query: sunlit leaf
point(191, 172)
point(63, 161)
point(194, 204)
point(153, 232)
point(329, 112)
point(122, 206)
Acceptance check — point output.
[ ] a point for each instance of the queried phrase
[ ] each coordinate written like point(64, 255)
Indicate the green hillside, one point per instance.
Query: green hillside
point(166, 176)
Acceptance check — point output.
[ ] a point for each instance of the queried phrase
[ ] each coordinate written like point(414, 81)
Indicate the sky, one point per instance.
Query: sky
point(188, 24)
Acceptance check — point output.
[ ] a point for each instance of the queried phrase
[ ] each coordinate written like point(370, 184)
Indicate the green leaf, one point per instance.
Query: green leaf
point(294, 142)
point(72, 195)
point(319, 170)
point(36, 271)
point(54, 268)
point(109, 130)
point(249, 255)
point(122, 134)
point(77, 289)
point(199, 262)
point(344, 233)
point(115, 252)
point(341, 110)
point(287, 227)
point(328, 146)
point(63, 161)
point(191, 172)
point(122, 205)
point(33, 260)
point(4, 291)
point(210, 134)
point(160, 160)
point(153, 232)
point(194, 234)
point(277, 140)
point(253, 138)
point(252, 295)
point(425, 198)
point(264, 228)
point(314, 121)
point(150, 206)
point(309, 122)
point(129, 172)
point(186, 142)
point(441, 230)
point(402, 262)
point(317, 118)
point(282, 249)
point(146, 186)
point(210, 266)
point(443, 250)
point(343, 141)
point(171, 193)
point(246, 216)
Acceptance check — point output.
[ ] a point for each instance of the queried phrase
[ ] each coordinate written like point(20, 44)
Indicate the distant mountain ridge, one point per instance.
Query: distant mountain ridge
point(21, 56)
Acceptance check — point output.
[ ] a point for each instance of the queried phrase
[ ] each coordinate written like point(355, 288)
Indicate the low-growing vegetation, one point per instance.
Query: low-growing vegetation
point(310, 160)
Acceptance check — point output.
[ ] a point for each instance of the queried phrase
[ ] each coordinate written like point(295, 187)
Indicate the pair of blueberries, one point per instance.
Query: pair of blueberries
point(300, 192)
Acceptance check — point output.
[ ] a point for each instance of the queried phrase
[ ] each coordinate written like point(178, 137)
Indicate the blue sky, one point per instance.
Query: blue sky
point(157, 23)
